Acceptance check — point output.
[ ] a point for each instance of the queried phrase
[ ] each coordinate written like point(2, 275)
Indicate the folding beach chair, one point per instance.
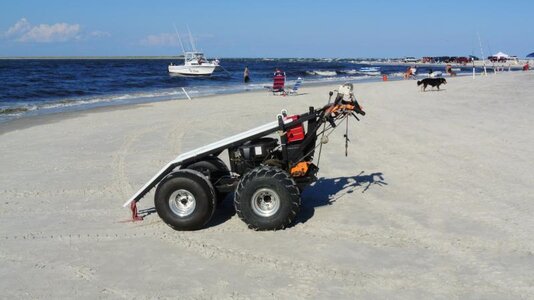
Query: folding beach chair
point(279, 81)
point(296, 87)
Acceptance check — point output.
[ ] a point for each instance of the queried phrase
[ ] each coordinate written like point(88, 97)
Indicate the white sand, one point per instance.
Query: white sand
point(436, 200)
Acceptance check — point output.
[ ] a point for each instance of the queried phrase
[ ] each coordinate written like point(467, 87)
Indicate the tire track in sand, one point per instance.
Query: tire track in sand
point(287, 265)
point(82, 272)
point(120, 180)
point(463, 250)
point(203, 247)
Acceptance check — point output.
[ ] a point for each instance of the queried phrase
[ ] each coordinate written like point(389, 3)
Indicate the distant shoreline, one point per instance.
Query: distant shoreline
point(378, 61)
point(181, 57)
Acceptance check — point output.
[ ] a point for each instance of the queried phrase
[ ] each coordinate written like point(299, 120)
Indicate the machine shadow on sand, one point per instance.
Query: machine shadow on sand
point(326, 191)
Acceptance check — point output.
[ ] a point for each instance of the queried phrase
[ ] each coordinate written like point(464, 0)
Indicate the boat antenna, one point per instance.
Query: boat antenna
point(179, 39)
point(482, 52)
point(191, 40)
point(473, 61)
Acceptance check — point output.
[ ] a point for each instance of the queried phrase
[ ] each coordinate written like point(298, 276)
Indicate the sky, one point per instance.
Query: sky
point(276, 28)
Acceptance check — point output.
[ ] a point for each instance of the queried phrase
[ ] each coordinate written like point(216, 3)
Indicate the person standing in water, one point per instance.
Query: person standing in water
point(246, 75)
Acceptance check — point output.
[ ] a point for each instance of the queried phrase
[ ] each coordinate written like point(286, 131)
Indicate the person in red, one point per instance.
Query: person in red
point(526, 67)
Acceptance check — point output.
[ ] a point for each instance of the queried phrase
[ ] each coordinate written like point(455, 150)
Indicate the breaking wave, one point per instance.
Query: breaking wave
point(322, 73)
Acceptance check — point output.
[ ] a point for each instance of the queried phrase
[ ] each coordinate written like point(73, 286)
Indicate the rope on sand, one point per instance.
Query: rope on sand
point(186, 94)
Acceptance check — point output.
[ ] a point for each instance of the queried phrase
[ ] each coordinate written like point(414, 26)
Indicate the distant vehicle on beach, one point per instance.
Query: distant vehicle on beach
point(410, 59)
point(442, 59)
point(462, 60)
point(513, 59)
point(447, 59)
point(497, 59)
point(427, 59)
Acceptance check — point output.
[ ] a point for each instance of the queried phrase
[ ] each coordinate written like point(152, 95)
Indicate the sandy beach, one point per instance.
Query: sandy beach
point(435, 200)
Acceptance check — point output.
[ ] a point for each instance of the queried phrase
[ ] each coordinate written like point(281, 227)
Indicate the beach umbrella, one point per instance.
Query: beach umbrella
point(531, 55)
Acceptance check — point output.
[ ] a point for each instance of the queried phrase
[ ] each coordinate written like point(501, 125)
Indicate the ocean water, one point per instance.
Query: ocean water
point(30, 87)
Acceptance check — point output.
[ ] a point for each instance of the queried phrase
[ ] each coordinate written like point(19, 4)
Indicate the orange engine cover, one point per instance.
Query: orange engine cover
point(300, 169)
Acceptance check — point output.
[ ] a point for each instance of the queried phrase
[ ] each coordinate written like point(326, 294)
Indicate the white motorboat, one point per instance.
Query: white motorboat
point(195, 64)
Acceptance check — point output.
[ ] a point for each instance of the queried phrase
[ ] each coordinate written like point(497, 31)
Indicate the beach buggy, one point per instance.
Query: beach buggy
point(266, 174)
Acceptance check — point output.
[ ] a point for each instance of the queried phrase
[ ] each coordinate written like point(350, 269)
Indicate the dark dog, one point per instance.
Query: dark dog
point(433, 82)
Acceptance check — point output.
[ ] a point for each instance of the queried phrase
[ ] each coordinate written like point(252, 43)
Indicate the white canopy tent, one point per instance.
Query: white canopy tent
point(501, 55)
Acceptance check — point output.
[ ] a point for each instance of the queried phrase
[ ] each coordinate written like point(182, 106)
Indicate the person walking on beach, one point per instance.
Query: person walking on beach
point(448, 70)
point(246, 75)
point(410, 73)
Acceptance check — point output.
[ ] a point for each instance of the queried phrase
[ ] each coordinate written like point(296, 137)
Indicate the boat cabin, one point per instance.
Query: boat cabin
point(195, 58)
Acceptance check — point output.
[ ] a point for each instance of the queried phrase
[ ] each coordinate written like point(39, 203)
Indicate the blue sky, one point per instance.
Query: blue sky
point(266, 28)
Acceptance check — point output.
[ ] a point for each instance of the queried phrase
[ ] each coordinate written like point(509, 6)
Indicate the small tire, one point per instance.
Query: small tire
point(214, 169)
point(267, 198)
point(185, 200)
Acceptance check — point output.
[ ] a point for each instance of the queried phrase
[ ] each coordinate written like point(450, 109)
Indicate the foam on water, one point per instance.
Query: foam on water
point(322, 73)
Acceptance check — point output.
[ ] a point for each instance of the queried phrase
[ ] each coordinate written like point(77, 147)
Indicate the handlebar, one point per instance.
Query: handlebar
point(358, 110)
point(344, 108)
point(333, 111)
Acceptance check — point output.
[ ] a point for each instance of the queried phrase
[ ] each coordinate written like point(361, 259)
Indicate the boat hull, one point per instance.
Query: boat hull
point(206, 70)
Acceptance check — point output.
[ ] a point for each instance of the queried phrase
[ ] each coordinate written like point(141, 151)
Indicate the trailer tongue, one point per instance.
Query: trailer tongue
point(267, 174)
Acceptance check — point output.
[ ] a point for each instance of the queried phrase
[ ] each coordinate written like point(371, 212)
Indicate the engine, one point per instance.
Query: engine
point(252, 154)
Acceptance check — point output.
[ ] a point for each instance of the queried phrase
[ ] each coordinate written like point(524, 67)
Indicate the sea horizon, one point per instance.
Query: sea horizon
point(181, 56)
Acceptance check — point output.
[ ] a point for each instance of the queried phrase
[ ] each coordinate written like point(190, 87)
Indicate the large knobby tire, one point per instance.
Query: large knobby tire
point(267, 198)
point(185, 200)
point(214, 169)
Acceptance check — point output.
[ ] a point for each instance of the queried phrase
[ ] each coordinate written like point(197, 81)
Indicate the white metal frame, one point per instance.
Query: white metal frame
point(269, 127)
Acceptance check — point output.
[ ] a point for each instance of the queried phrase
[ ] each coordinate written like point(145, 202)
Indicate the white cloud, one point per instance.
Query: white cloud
point(22, 26)
point(99, 34)
point(162, 39)
point(23, 31)
point(44, 33)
